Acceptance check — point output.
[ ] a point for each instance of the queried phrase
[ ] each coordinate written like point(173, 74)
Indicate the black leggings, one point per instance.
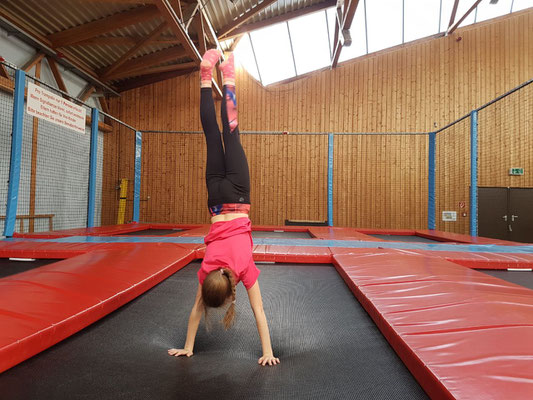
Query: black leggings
point(227, 175)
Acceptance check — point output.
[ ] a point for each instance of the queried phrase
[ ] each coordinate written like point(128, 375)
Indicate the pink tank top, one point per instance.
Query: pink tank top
point(229, 245)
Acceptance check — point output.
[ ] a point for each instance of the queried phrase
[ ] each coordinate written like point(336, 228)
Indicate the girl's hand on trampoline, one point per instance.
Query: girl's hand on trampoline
point(270, 360)
point(180, 352)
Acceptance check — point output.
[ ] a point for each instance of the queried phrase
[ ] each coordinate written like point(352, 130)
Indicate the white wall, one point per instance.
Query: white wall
point(17, 52)
point(62, 156)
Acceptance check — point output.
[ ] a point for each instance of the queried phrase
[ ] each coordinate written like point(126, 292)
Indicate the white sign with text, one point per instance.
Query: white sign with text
point(46, 105)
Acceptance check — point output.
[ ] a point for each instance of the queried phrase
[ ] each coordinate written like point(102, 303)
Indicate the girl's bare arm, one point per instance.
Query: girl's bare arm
point(194, 321)
point(256, 302)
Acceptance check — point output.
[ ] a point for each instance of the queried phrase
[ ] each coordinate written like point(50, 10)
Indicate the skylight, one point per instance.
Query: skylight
point(305, 44)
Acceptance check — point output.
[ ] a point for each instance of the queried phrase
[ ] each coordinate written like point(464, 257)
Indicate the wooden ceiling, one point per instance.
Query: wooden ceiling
point(122, 44)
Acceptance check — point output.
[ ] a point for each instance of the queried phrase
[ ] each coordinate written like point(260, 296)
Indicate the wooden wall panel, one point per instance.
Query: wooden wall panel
point(453, 176)
point(416, 87)
point(505, 140)
point(380, 181)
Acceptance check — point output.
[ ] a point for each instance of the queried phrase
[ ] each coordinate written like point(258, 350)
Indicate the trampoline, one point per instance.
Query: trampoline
point(370, 327)
point(281, 234)
point(404, 238)
point(11, 267)
point(329, 348)
point(151, 232)
point(522, 278)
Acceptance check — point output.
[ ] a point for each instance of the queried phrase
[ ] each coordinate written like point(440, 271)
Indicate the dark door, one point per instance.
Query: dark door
point(493, 220)
point(521, 215)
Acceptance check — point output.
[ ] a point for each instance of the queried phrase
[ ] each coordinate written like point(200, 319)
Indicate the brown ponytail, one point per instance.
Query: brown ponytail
point(229, 318)
point(218, 287)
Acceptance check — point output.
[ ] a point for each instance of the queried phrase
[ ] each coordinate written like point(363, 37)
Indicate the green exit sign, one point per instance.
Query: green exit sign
point(516, 171)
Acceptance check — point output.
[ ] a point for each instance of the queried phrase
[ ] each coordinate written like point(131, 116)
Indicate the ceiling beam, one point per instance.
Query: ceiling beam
point(190, 13)
point(199, 26)
point(103, 25)
point(124, 41)
point(108, 41)
point(224, 31)
point(86, 92)
point(3, 70)
point(150, 79)
point(143, 62)
point(454, 13)
point(177, 27)
point(344, 22)
point(209, 31)
point(25, 32)
point(57, 75)
point(103, 104)
point(456, 25)
point(37, 57)
point(175, 24)
point(280, 18)
point(131, 52)
point(120, 1)
point(155, 70)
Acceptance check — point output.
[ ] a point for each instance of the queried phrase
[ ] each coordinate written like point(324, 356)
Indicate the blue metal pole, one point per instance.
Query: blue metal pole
point(473, 172)
point(16, 153)
point(431, 180)
point(137, 184)
point(92, 168)
point(330, 179)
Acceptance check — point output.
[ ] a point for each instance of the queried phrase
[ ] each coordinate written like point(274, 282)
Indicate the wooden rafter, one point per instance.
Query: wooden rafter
point(103, 25)
point(236, 41)
point(86, 92)
point(36, 59)
point(344, 22)
point(121, 1)
point(243, 18)
point(149, 79)
point(454, 13)
point(3, 71)
point(209, 31)
point(456, 25)
point(280, 18)
point(57, 75)
point(143, 62)
point(178, 29)
point(131, 52)
point(43, 43)
point(125, 41)
point(156, 70)
point(189, 14)
point(174, 23)
point(199, 25)
point(103, 103)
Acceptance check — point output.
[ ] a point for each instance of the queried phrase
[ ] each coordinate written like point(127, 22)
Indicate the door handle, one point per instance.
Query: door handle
point(513, 217)
point(510, 228)
point(505, 218)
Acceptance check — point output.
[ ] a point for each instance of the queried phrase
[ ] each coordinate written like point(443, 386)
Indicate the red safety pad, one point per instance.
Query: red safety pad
point(459, 238)
point(97, 231)
point(200, 231)
point(463, 334)
point(371, 231)
point(285, 228)
point(109, 230)
point(41, 307)
point(292, 254)
point(330, 233)
point(29, 249)
point(483, 260)
point(286, 254)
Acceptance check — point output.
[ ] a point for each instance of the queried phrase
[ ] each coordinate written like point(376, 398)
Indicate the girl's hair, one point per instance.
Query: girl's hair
point(218, 287)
